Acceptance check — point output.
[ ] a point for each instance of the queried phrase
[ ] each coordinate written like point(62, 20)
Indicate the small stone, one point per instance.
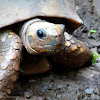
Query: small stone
point(94, 49)
point(86, 98)
point(76, 98)
point(97, 65)
point(59, 86)
point(96, 91)
point(28, 95)
point(98, 59)
point(58, 96)
point(96, 4)
point(48, 98)
point(89, 91)
point(98, 49)
point(94, 97)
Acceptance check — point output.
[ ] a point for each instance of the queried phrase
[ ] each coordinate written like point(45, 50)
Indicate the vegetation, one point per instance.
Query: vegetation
point(92, 31)
point(94, 57)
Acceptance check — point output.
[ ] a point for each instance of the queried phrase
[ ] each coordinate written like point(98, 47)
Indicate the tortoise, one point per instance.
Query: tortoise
point(40, 28)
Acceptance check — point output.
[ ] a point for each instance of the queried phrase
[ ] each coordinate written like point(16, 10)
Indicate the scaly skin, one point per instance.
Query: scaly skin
point(68, 50)
point(10, 56)
point(74, 54)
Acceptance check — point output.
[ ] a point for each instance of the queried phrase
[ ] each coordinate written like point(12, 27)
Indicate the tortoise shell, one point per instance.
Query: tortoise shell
point(13, 11)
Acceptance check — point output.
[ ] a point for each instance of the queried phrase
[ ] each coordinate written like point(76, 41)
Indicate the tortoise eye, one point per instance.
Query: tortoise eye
point(41, 34)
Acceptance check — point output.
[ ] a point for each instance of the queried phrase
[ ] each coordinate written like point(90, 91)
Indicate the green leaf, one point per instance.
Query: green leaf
point(92, 31)
point(94, 57)
point(77, 7)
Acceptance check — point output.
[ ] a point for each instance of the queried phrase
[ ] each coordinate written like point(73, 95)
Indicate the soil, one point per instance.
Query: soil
point(61, 83)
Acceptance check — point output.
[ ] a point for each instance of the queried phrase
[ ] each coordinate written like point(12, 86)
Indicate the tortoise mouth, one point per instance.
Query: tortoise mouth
point(50, 48)
point(49, 45)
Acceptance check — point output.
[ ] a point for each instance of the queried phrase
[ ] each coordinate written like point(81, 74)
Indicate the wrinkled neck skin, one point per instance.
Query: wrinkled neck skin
point(42, 38)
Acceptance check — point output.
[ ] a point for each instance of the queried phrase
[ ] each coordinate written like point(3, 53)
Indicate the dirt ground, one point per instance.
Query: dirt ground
point(61, 83)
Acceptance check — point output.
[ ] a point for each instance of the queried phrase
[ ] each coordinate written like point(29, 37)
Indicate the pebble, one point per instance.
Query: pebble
point(58, 96)
point(96, 91)
point(98, 59)
point(97, 65)
point(96, 4)
point(94, 49)
point(89, 91)
point(59, 86)
point(98, 49)
point(95, 97)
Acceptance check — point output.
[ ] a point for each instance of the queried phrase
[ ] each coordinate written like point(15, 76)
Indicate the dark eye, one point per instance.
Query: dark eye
point(40, 34)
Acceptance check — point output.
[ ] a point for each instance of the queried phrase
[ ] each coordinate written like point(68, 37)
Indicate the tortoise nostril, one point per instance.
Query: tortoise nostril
point(56, 36)
point(59, 35)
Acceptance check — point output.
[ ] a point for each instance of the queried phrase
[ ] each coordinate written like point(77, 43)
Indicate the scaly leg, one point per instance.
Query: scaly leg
point(34, 64)
point(75, 53)
point(10, 56)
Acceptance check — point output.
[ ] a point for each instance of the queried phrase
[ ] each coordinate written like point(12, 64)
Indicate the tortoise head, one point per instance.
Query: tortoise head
point(43, 37)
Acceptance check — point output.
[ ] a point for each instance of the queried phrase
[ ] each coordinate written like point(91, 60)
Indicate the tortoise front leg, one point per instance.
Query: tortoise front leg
point(75, 53)
point(10, 55)
point(32, 64)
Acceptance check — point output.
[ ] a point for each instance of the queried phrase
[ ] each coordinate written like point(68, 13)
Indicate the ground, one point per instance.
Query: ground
point(61, 83)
